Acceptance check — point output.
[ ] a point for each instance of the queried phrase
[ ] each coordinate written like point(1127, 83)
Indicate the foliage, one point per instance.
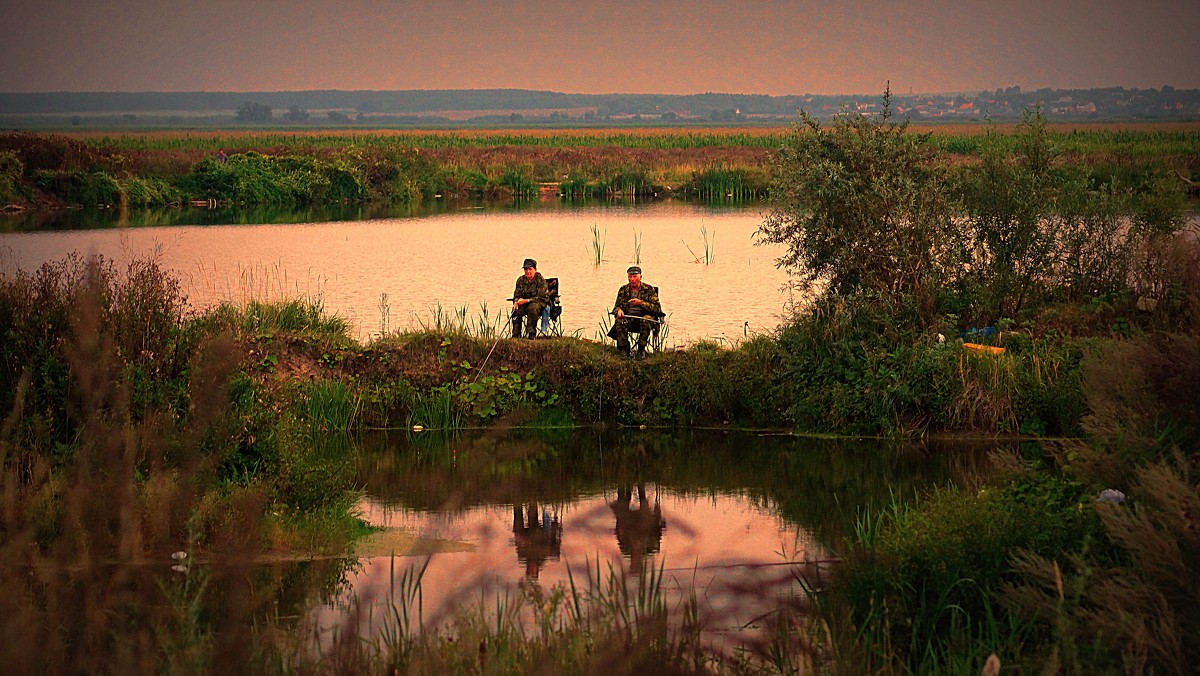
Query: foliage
point(862, 208)
point(921, 591)
point(254, 112)
point(11, 171)
point(1036, 235)
point(90, 189)
point(487, 396)
point(147, 192)
point(253, 178)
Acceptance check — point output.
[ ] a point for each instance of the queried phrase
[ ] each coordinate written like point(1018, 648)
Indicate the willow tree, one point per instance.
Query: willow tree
point(862, 208)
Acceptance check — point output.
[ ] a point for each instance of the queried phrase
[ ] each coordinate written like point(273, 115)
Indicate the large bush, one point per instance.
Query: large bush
point(253, 178)
point(862, 208)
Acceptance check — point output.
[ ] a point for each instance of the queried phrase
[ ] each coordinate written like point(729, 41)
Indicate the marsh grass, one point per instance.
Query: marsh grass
point(333, 409)
point(298, 317)
point(126, 490)
point(437, 409)
point(459, 321)
point(710, 244)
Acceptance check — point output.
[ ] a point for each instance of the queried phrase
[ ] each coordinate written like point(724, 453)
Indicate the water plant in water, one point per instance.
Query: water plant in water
point(637, 248)
point(385, 313)
point(710, 244)
point(597, 245)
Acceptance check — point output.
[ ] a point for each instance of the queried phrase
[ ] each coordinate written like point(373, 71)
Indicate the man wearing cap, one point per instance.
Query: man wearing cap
point(529, 299)
point(635, 301)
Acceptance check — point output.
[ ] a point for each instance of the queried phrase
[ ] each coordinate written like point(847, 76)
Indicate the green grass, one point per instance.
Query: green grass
point(268, 318)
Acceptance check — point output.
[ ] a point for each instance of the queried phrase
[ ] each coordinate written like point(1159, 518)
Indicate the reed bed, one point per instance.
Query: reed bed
point(1134, 139)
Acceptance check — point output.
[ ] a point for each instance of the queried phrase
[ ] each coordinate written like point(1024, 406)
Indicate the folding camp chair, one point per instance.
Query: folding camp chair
point(654, 322)
point(551, 324)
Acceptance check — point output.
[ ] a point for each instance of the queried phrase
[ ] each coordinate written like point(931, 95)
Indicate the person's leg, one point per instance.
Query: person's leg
point(533, 312)
point(622, 332)
point(517, 317)
point(643, 338)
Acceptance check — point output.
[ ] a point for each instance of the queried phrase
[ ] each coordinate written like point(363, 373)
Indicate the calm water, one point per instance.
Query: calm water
point(737, 517)
point(392, 273)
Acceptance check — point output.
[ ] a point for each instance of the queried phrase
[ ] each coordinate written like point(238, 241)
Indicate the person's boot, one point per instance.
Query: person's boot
point(641, 353)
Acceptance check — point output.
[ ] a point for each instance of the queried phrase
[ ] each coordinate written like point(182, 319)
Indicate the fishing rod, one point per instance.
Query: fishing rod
point(639, 318)
point(499, 335)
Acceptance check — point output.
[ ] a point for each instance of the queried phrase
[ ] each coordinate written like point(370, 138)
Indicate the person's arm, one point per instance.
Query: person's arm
point(619, 303)
point(518, 301)
point(542, 293)
point(650, 301)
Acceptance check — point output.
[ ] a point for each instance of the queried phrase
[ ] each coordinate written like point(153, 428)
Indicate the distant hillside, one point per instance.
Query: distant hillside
point(528, 106)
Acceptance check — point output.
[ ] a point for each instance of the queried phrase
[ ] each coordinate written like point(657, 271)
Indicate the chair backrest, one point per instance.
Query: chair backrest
point(660, 314)
point(555, 306)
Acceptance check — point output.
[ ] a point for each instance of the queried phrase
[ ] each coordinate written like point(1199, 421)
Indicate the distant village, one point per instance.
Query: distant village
point(1002, 104)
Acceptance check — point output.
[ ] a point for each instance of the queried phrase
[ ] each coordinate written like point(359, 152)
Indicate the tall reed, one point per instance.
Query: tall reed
point(385, 313)
point(436, 410)
point(710, 244)
point(597, 245)
point(458, 321)
point(637, 248)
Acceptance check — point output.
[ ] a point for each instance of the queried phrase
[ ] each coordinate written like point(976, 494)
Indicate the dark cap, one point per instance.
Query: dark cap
point(633, 270)
point(529, 263)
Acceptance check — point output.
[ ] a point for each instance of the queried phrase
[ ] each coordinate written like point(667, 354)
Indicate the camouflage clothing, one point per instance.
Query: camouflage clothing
point(649, 307)
point(539, 296)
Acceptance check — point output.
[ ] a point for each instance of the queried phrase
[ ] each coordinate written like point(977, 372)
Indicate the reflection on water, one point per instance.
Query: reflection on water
point(736, 518)
point(386, 271)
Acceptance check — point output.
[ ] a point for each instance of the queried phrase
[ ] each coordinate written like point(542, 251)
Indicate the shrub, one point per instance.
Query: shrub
point(147, 192)
point(921, 589)
point(11, 171)
point(862, 208)
point(89, 189)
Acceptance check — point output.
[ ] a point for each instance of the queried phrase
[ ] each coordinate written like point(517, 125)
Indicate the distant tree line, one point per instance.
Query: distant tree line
point(1010, 102)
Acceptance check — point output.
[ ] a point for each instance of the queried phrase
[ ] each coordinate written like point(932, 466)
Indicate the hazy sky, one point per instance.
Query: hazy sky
point(597, 46)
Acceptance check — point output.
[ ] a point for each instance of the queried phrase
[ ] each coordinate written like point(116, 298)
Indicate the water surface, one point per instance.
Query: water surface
point(736, 519)
point(395, 273)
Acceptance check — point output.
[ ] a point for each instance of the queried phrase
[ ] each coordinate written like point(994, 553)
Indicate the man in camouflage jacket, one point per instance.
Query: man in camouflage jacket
point(530, 297)
point(635, 301)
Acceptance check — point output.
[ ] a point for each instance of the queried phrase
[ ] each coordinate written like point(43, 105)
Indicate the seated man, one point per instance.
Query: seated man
point(530, 297)
point(637, 310)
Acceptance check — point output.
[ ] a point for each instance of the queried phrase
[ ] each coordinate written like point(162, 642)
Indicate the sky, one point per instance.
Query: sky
point(600, 46)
